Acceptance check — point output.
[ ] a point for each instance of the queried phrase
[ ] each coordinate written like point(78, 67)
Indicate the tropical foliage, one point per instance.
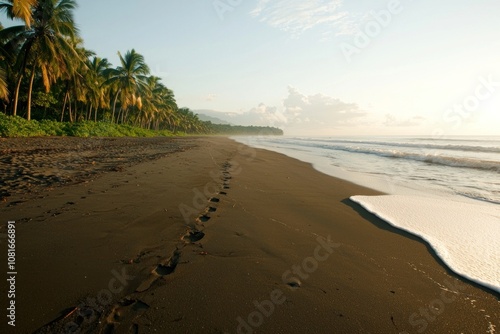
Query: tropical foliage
point(15, 126)
point(46, 73)
point(4, 93)
point(20, 9)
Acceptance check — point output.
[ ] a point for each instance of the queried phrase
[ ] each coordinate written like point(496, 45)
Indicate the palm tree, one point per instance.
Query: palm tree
point(95, 80)
point(190, 121)
point(129, 78)
point(4, 93)
point(150, 101)
point(168, 112)
point(11, 41)
point(158, 104)
point(76, 88)
point(14, 9)
point(45, 46)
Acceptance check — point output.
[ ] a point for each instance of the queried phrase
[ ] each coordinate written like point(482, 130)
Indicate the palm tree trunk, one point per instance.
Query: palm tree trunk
point(114, 107)
point(89, 113)
point(16, 95)
point(30, 89)
point(64, 105)
point(23, 70)
point(120, 112)
point(70, 109)
point(125, 115)
point(76, 110)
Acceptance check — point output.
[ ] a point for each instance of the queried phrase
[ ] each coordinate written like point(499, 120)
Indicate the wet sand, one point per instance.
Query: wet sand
point(204, 235)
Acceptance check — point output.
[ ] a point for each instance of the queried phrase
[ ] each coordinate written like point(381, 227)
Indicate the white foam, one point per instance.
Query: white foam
point(465, 235)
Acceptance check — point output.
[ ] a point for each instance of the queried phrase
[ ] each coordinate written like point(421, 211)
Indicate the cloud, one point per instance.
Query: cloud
point(298, 16)
point(299, 113)
point(391, 120)
point(320, 109)
point(267, 115)
point(262, 115)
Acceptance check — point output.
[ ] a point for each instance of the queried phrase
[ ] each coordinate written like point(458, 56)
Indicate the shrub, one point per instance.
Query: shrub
point(15, 126)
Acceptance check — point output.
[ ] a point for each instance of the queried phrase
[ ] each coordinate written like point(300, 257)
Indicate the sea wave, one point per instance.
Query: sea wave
point(463, 235)
point(422, 146)
point(486, 165)
point(461, 173)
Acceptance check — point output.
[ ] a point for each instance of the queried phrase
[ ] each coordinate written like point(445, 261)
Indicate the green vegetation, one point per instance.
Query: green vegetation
point(15, 126)
point(60, 88)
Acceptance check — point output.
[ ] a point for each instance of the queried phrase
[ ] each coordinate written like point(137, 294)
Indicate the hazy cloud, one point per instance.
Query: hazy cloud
point(319, 109)
point(298, 112)
point(391, 120)
point(264, 115)
point(298, 16)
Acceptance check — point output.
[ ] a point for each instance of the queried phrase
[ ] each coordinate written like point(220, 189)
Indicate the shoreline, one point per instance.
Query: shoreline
point(209, 235)
point(414, 194)
point(381, 223)
point(376, 178)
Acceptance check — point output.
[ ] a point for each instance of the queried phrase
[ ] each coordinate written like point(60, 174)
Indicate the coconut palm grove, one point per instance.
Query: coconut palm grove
point(50, 84)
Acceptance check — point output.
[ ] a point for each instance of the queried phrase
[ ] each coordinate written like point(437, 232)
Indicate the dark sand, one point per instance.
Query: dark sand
point(203, 235)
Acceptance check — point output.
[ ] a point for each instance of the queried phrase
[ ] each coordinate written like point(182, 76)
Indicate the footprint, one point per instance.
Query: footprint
point(161, 270)
point(203, 218)
point(193, 236)
point(294, 283)
point(211, 209)
point(126, 308)
point(123, 316)
point(171, 263)
point(214, 200)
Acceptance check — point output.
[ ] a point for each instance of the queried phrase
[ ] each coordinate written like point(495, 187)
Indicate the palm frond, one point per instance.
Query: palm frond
point(23, 9)
point(4, 92)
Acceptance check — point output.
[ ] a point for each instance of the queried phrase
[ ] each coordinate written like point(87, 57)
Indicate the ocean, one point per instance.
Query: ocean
point(444, 190)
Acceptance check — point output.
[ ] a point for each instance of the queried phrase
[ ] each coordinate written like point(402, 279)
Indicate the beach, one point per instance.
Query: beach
point(206, 235)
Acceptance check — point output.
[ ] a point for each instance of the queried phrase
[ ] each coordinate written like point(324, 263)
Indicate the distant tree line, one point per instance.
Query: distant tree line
point(227, 129)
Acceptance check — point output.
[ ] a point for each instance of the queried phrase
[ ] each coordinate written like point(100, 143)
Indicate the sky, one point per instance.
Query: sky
point(317, 67)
